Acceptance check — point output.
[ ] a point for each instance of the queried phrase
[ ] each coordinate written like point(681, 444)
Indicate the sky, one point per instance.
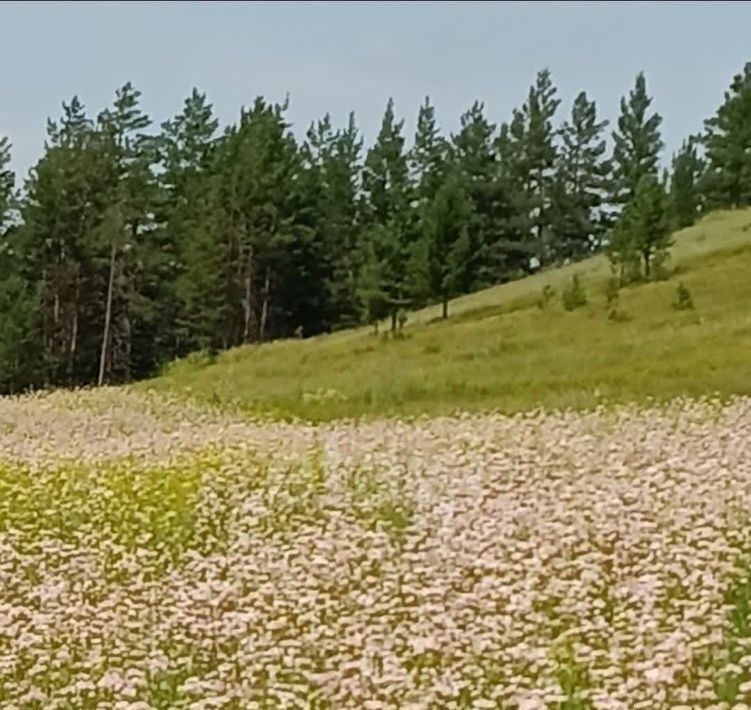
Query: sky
point(339, 57)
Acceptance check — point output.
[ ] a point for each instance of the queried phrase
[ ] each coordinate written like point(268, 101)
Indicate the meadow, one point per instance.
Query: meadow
point(160, 555)
point(500, 351)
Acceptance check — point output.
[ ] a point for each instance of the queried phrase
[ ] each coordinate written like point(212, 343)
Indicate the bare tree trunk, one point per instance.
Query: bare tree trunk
point(45, 316)
point(107, 316)
point(265, 307)
point(248, 294)
point(128, 346)
point(74, 329)
point(56, 307)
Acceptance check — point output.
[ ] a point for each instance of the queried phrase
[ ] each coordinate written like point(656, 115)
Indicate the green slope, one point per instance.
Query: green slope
point(498, 350)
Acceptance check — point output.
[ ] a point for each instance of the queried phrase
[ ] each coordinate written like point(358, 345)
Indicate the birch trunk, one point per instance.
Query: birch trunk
point(107, 317)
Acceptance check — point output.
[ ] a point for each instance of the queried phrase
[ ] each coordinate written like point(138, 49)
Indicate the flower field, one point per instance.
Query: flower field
point(158, 555)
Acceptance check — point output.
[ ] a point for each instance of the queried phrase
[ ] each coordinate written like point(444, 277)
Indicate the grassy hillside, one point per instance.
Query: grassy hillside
point(498, 350)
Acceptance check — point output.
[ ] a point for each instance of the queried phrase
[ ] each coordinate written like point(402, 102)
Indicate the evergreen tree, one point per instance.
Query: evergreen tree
point(186, 149)
point(257, 245)
point(685, 199)
point(728, 146)
point(123, 235)
point(641, 237)
point(428, 157)
point(387, 206)
point(18, 308)
point(64, 200)
point(518, 244)
point(447, 236)
point(580, 183)
point(331, 182)
point(637, 143)
point(475, 158)
point(540, 155)
point(428, 163)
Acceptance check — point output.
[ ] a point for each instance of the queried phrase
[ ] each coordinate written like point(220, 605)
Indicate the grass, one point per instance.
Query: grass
point(499, 351)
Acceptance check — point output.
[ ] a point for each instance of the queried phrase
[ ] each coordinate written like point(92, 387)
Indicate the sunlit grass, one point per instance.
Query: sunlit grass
point(500, 351)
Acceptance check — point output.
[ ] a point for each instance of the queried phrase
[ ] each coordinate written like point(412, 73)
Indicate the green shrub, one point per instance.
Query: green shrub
point(548, 293)
point(574, 296)
point(683, 299)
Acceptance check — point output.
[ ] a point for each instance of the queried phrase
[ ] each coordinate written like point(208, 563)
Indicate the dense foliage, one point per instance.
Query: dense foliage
point(129, 246)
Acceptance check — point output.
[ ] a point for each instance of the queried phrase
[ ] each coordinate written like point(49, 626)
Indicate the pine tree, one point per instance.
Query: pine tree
point(330, 181)
point(428, 163)
point(387, 206)
point(256, 243)
point(637, 143)
point(728, 146)
point(447, 235)
point(18, 308)
point(127, 225)
point(685, 199)
point(64, 199)
point(518, 242)
point(540, 154)
point(186, 150)
point(386, 172)
point(580, 183)
point(642, 234)
point(475, 159)
point(428, 157)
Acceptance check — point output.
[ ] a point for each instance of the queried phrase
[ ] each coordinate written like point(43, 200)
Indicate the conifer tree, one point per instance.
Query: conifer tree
point(727, 140)
point(186, 150)
point(581, 183)
point(540, 153)
point(518, 243)
point(475, 158)
point(428, 157)
point(387, 208)
point(64, 199)
point(124, 230)
point(18, 308)
point(331, 161)
point(637, 143)
point(685, 178)
point(447, 235)
point(642, 234)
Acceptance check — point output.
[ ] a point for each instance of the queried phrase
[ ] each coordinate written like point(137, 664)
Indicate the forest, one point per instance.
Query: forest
point(130, 245)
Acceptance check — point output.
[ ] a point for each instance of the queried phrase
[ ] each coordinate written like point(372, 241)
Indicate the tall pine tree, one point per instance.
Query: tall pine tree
point(685, 179)
point(540, 153)
point(447, 236)
point(728, 146)
point(581, 183)
point(637, 143)
point(388, 234)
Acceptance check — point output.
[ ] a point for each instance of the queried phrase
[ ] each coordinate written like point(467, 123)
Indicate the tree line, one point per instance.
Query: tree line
point(128, 245)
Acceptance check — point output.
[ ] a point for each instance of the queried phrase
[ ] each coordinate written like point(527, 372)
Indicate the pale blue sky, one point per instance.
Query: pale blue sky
point(342, 56)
